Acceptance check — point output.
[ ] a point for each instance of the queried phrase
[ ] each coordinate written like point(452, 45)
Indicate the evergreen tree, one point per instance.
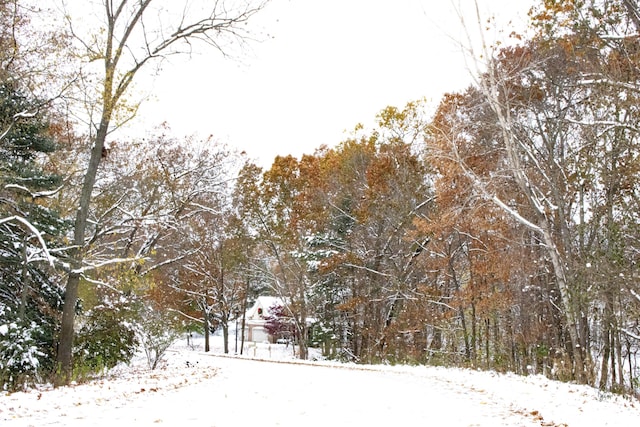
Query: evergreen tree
point(30, 295)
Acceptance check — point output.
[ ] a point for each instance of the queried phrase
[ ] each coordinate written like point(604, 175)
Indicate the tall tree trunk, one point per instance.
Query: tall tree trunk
point(302, 326)
point(465, 335)
point(207, 333)
point(64, 357)
point(245, 301)
point(614, 379)
point(25, 284)
point(604, 370)
point(630, 362)
point(225, 335)
point(120, 28)
point(616, 332)
point(487, 327)
point(474, 334)
point(207, 326)
point(577, 352)
point(608, 353)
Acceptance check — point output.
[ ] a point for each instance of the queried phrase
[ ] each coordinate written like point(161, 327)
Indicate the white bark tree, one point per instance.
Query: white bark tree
point(537, 175)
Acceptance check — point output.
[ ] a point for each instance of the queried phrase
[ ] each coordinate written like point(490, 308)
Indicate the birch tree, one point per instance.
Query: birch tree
point(601, 39)
point(555, 118)
point(529, 162)
point(133, 36)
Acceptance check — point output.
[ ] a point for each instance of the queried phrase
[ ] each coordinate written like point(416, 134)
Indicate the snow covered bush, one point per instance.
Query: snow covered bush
point(19, 356)
point(27, 329)
point(156, 334)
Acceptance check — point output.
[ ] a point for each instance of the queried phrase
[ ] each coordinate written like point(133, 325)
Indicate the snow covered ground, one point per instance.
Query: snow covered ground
point(193, 388)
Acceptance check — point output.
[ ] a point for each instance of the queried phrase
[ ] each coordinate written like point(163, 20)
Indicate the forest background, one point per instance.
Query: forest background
point(499, 232)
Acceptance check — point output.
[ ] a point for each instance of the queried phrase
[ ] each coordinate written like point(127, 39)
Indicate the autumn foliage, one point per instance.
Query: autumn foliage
point(498, 229)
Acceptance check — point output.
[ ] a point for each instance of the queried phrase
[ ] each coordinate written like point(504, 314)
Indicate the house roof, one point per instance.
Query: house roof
point(264, 302)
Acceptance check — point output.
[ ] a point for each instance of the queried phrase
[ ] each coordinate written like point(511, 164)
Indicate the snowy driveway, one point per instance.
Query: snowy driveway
point(224, 392)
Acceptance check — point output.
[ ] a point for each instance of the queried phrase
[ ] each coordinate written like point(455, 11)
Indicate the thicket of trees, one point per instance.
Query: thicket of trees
point(500, 232)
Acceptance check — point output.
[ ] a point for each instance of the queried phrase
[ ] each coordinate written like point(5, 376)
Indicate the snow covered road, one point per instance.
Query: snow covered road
point(224, 392)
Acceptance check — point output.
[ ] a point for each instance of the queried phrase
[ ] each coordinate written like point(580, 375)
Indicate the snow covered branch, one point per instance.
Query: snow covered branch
point(167, 262)
point(610, 124)
point(195, 319)
point(609, 82)
point(49, 258)
point(516, 215)
point(104, 264)
point(370, 270)
point(631, 334)
point(33, 195)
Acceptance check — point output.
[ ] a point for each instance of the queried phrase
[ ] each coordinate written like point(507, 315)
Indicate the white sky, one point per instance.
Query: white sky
point(330, 65)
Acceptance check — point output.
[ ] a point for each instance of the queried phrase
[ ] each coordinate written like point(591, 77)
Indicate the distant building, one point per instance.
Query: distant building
point(255, 319)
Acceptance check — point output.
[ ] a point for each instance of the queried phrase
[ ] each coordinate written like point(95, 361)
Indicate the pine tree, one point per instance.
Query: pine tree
point(30, 295)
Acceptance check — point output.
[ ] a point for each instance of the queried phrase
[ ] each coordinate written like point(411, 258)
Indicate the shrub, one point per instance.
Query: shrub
point(107, 336)
point(156, 334)
point(19, 356)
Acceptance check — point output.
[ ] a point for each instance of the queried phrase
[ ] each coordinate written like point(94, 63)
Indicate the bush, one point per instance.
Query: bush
point(107, 337)
point(156, 335)
point(19, 356)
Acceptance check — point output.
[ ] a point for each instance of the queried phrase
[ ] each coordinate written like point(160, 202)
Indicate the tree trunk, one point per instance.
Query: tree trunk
point(302, 329)
point(25, 284)
point(611, 347)
point(614, 378)
point(225, 335)
point(618, 347)
point(567, 305)
point(632, 381)
point(604, 371)
point(487, 327)
point(474, 334)
point(116, 81)
point(244, 314)
point(64, 360)
point(207, 326)
point(465, 334)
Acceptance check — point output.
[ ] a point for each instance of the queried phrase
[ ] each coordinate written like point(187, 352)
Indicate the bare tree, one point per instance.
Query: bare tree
point(128, 44)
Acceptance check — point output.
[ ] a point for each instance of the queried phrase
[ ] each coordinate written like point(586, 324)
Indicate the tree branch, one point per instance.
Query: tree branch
point(49, 258)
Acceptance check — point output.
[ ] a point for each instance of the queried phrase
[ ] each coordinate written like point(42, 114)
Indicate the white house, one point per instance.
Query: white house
point(255, 319)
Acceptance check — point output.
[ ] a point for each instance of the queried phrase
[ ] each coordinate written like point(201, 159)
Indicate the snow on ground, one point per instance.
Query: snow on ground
point(268, 387)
